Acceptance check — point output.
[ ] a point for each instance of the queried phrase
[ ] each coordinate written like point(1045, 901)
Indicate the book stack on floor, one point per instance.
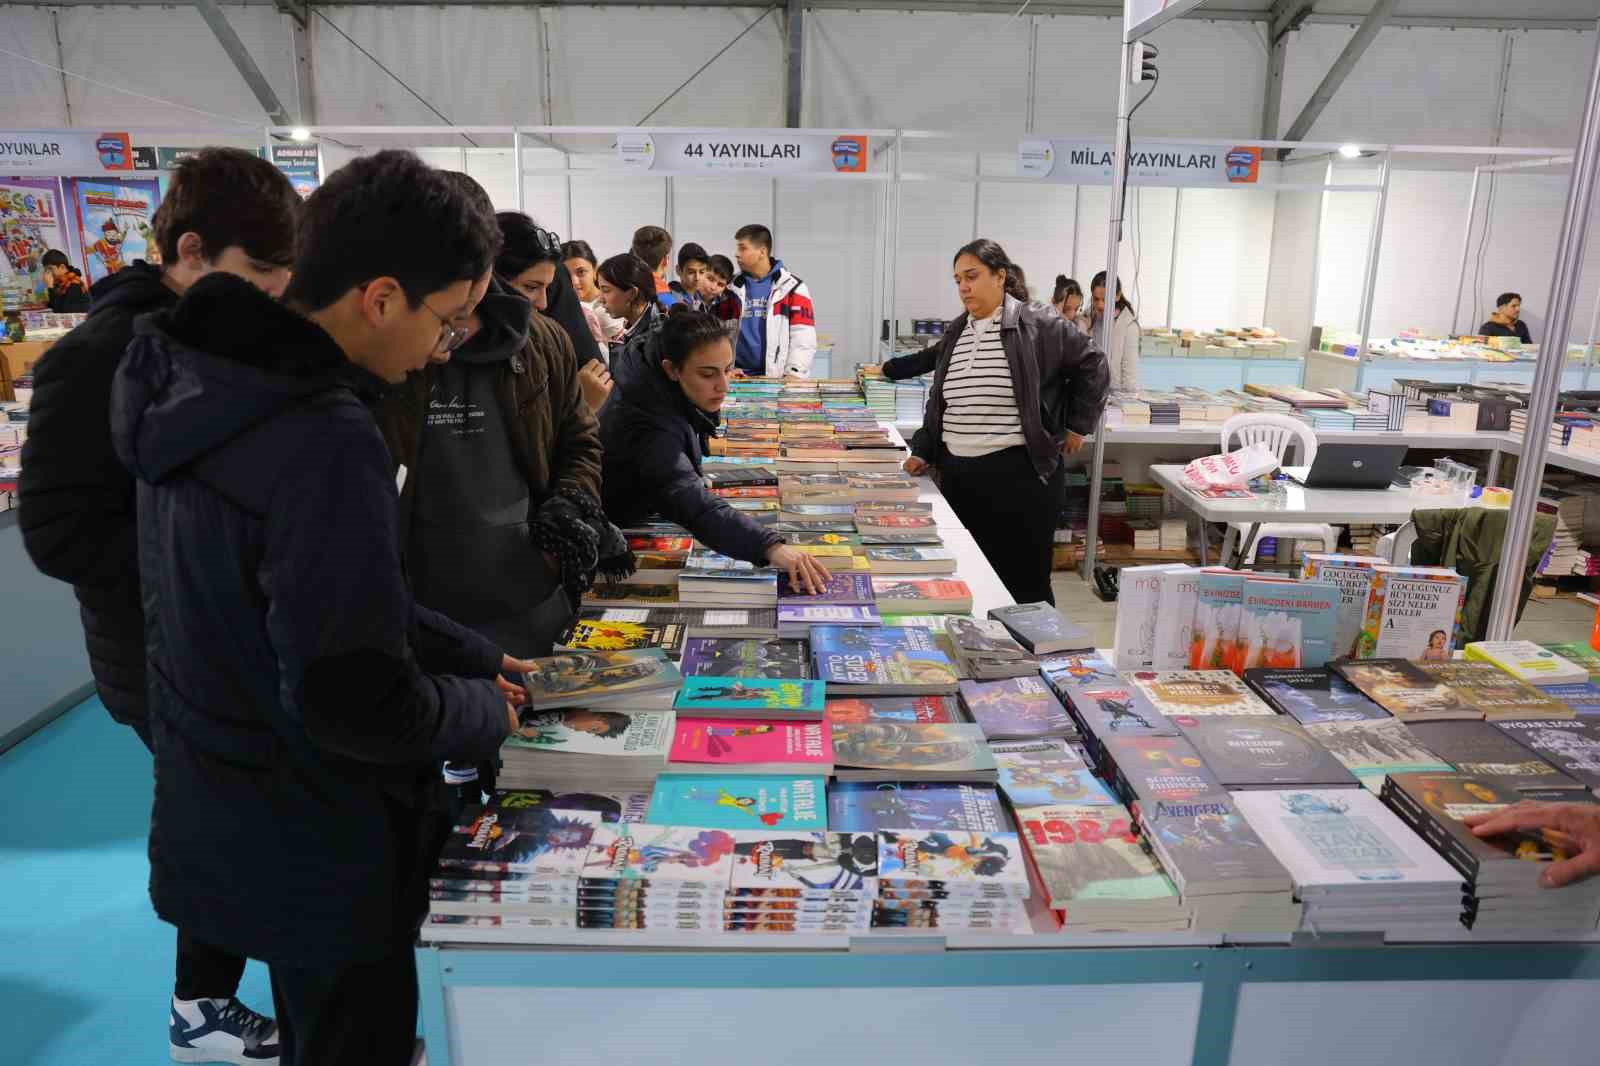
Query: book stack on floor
point(1355, 866)
point(985, 650)
point(1502, 873)
point(793, 882)
point(953, 880)
point(511, 868)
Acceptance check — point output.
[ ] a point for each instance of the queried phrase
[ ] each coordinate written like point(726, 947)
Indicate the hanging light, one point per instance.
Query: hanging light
point(1350, 151)
point(299, 133)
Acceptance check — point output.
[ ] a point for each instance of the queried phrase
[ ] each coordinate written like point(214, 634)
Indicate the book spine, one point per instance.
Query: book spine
point(1425, 825)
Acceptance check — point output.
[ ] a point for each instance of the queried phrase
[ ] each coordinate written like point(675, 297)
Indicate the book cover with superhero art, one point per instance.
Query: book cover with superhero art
point(580, 678)
point(1047, 773)
point(953, 858)
point(812, 862)
point(660, 853)
point(538, 839)
point(746, 657)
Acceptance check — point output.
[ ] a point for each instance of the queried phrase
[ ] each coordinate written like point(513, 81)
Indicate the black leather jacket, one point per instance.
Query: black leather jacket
point(1059, 376)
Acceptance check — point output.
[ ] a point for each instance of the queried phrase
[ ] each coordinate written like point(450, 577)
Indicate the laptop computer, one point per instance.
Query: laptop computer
point(1350, 466)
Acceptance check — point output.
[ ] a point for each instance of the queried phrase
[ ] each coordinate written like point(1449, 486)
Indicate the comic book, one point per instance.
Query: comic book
point(856, 660)
point(749, 745)
point(1017, 708)
point(830, 864)
point(622, 629)
point(965, 863)
point(893, 709)
point(736, 657)
point(611, 806)
point(1046, 773)
point(843, 589)
point(865, 807)
point(756, 697)
point(536, 839)
point(659, 854)
point(894, 751)
point(740, 801)
point(582, 731)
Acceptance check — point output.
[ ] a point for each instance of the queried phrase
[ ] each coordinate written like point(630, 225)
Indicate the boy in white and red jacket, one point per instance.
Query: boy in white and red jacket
point(777, 323)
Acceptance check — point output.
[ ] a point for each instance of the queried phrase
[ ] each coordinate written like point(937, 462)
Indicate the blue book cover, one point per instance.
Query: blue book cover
point(865, 807)
point(889, 657)
point(1582, 697)
point(749, 694)
point(739, 801)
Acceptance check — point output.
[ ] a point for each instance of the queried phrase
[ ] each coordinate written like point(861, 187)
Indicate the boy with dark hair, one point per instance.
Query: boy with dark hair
point(777, 322)
point(69, 293)
point(715, 299)
point(692, 264)
point(654, 245)
point(300, 702)
point(226, 211)
point(1506, 320)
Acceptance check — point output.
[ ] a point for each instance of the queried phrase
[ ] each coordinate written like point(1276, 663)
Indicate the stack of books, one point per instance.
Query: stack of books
point(1533, 663)
point(1018, 708)
point(569, 749)
point(667, 628)
point(656, 877)
point(933, 879)
point(735, 586)
point(751, 745)
point(985, 650)
point(1503, 894)
point(881, 751)
point(1097, 872)
point(808, 883)
point(906, 595)
point(885, 661)
point(746, 657)
point(909, 559)
point(510, 868)
point(1355, 866)
point(1481, 750)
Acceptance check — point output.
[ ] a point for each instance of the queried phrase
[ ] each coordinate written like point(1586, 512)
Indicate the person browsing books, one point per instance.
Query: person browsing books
point(653, 246)
point(299, 700)
point(225, 210)
point(1124, 354)
point(1576, 826)
point(1068, 300)
point(693, 262)
point(628, 290)
point(1506, 321)
point(671, 386)
point(582, 268)
point(1015, 388)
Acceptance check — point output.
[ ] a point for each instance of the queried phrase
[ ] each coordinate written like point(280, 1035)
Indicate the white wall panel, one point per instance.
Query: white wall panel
point(1224, 236)
point(709, 210)
point(925, 70)
point(827, 233)
point(34, 92)
point(171, 54)
point(606, 209)
point(1034, 223)
point(612, 65)
point(1342, 249)
point(935, 220)
point(1291, 278)
point(1144, 258)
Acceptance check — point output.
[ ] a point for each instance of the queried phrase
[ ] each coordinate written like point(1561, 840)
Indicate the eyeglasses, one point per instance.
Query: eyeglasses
point(451, 337)
point(548, 240)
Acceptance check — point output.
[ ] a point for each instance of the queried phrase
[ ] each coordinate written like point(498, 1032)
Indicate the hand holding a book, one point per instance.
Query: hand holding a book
point(513, 693)
point(805, 571)
point(1573, 827)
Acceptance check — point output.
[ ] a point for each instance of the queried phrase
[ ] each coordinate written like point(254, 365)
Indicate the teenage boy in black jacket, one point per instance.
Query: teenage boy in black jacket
point(300, 703)
point(226, 210)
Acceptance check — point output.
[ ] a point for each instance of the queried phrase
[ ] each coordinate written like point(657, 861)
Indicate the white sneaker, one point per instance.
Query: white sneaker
point(221, 1030)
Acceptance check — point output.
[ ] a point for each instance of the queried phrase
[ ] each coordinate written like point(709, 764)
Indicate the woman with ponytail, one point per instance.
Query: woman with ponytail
point(671, 384)
point(628, 290)
point(1014, 390)
point(1068, 301)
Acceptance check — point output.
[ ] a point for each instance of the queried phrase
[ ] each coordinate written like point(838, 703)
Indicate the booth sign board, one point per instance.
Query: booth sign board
point(64, 153)
point(743, 152)
point(1139, 17)
point(1087, 161)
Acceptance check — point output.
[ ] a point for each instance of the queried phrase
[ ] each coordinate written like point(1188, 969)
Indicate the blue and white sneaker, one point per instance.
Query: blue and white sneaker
point(221, 1030)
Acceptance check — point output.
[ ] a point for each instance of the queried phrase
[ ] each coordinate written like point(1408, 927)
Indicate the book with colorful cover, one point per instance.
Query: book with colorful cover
point(1376, 748)
point(1046, 773)
point(722, 695)
point(1157, 772)
point(1496, 693)
point(927, 535)
point(1352, 575)
point(910, 559)
point(732, 744)
point(1405, 691)
point(593, 731)
point(882, 661)
point(1285, 624)
point(823, 540)
point(1479, 749)
point(1584, 699)
point(746, 657)
point(830, 863)
point(842, 589)
point(1581, 654)
point(625, 629)
point(658, 854)
point(1413, 612)
point(1311, 696)
point(891, 751)
point(1017, 708)
point(895, 522)
point(1216, 620)
point(1109, 712)
point(802, 616)
point(609, 594)
point(1093, 864)
point(963, 862)
point(740, 801)
point(1197, 692)
point(1065, 672)
point(1528, 662)
point(589, 678)
point(643, 542)
point(534, 839)
point(925, 709)
point(611, 806)
point(866, 807)
point(911, 595)
point(706, 561)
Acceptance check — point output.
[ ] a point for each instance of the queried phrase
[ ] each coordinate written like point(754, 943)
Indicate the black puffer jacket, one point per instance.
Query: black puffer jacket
point(654, 439)
point(78, 500)
point(296, 732)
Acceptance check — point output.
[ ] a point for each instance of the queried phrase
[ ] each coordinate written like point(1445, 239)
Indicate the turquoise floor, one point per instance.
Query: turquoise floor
point(85, 966)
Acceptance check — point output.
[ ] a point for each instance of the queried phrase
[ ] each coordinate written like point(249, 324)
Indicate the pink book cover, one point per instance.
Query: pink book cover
point(745, 742)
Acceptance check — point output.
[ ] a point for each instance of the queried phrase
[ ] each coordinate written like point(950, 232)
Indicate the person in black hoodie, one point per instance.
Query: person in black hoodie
point(69, 293)
point(671, 385)
point(226, 210)
point(300, 702)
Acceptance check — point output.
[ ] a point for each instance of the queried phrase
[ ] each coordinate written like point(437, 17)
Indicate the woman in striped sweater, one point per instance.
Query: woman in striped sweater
point(1015, 388)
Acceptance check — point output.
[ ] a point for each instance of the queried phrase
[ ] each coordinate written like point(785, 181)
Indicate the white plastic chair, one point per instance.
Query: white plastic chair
point(1276, 433)
point(1396, 546)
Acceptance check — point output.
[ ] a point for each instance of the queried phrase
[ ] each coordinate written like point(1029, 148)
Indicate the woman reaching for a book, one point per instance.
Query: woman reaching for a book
point(1015, 389)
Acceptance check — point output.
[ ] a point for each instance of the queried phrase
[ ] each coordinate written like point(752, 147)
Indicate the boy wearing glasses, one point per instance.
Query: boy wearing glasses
point(300, 702)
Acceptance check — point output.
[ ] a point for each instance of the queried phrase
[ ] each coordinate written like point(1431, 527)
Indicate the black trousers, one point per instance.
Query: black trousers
point(1011, 512)
point(358, 1014)
point(205, 971)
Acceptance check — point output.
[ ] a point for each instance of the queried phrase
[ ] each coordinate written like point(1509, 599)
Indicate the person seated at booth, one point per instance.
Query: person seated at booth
point(1507, 319)
point(671, 385)
point(69, 293)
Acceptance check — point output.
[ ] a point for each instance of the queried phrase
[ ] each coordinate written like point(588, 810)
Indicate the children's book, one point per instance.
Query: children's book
point(740, 801)
point(747, 745)
point(757, 697)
